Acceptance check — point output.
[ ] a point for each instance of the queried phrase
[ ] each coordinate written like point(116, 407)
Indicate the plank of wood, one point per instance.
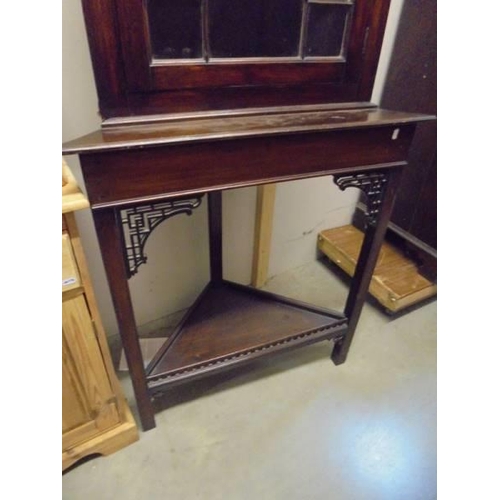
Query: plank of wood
point(266, 196)
point(396, 282)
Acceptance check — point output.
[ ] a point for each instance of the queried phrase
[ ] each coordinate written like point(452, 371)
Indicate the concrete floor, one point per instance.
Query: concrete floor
point(295, 427)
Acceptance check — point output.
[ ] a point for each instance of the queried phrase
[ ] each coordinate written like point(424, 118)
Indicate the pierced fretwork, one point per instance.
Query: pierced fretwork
point(373, 186)
point(137, 223)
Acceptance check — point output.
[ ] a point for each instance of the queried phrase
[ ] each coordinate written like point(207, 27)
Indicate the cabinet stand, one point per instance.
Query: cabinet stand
point(135, 181)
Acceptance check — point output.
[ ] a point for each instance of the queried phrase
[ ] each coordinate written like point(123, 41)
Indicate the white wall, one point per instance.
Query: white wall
point(302, 209)
point(305, 207)
point(177, 267)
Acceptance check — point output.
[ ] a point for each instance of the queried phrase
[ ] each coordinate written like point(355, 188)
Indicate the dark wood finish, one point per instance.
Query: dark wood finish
point(179, 328)
point(187, 127)
point(228, 98)
point(215, 234)
point(111, 245)
point(199, 128)
point(130, 81)
point(159, 118)
point(203, 167)
point(189, 162)
point(234, 324)
point(134, 43)
point(411, 86)
point(372, 242)
point(104, 43)
point(133, 164)
point(200, 75)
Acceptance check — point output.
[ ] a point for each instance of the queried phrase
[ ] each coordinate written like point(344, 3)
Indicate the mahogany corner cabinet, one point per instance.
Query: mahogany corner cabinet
point(194, 103)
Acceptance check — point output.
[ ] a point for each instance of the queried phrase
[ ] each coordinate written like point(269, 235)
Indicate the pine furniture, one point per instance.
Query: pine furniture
point(96, 418)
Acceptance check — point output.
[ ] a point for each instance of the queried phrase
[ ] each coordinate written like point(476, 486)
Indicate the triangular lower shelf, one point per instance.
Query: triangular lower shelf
point(231, 324)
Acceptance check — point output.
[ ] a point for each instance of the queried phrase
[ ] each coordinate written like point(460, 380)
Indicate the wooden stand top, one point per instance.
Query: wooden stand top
point(180, 129)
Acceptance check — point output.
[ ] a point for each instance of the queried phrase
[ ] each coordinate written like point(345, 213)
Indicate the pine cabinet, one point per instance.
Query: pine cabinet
point(95, 416)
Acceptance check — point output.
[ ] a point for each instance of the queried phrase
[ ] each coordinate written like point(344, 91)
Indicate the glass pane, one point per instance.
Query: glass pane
point(175, 28)
point(254, 28)
point(325, 29)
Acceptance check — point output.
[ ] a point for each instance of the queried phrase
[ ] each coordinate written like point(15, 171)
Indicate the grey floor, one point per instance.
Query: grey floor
point(295, 427)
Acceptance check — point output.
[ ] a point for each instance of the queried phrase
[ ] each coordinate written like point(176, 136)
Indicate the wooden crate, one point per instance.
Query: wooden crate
point(396, 282)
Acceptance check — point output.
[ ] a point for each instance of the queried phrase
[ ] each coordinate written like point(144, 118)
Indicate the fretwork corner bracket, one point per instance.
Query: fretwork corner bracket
point(372, 184)
point(138, 222)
